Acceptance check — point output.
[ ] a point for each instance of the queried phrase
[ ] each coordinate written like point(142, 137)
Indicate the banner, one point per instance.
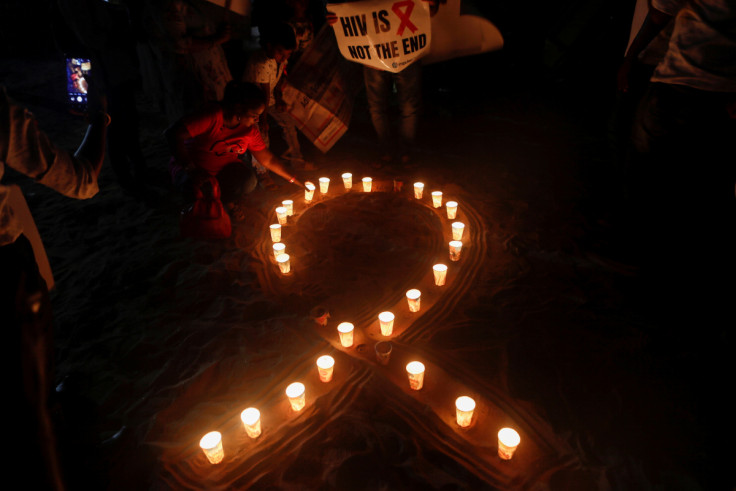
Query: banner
point(384, 34)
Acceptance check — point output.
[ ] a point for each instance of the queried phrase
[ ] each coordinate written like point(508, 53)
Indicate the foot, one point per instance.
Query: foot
point(237, 211)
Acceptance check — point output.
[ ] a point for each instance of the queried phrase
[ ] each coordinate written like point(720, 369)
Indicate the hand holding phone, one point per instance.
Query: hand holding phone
point(78, 73)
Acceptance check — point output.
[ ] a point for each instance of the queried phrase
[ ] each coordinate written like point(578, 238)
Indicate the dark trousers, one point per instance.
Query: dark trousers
point(25, 306)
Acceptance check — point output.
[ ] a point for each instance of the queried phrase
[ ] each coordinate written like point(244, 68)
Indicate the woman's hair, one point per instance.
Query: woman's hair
point(249, 95)
point(278, 34)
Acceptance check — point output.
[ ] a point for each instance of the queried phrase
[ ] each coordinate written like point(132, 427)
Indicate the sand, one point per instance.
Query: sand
point(175, 337)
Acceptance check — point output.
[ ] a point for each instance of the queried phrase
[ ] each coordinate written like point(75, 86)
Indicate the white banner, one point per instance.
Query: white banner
point(384, 34)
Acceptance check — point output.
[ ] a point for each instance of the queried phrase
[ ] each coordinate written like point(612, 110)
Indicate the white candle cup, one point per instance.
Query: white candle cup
point(464, 407)
point(386, 319)
point(367, 184)
point(275, 232)
point(508, 440)
point(347, 180)
point(251, 419)
point(455, 248)
point(296, 394)
point(440, 274)
point(451, 207)
point(289, 205)
point(281, 214)
point(457, 230)
point(346, 333)
point(325, 365)
point(324, 184)
point(418, 190)
point(284, 263)
point(437, 199)
point(415, 370)
point(383, 352)
point(211, 445)
point(308, 192)
point(414, 298)
point(278, 249)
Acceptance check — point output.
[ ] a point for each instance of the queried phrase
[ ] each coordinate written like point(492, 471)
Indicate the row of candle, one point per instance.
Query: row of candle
point(508, 439)
point(211, 443)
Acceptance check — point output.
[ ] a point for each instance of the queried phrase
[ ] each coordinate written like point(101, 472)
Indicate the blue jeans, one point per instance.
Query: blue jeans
point(378, 86)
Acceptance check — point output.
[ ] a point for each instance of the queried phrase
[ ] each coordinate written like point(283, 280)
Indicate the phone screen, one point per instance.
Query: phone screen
point(77, 72)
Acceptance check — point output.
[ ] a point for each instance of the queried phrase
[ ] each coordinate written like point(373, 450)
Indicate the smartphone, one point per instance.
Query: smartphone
point(77, 74)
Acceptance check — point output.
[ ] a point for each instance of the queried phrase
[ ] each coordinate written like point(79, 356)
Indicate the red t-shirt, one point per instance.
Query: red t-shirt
point(212, 145)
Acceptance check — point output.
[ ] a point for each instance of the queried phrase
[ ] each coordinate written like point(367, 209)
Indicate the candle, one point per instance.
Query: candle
point(440, 274)
point(324, 367)
point(279, 248)
point(367, 183)
point(413, 297)
point(347, 180)
point(275, 232)
point(508, 440)
point(283, 262)
point(418, 190)
point(383, 352)
point(281, 214)
point(386, 320)
point(346, 334)
point(289, 205)
point(451, 209)
point(251, 419)
point(457, 230)
point(437, 199)
point(324, 184)
point(415, 370)
point(308, 192)
point(464, 407)
point(455, 247)
point(211, 445)
point(295, 392)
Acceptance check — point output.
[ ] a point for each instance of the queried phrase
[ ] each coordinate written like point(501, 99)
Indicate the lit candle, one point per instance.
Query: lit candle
point(251, 419)
point(418, 190)
point(346, 334)
point(457, 230)
point(508, 440)
point(415, 370)
point(279, 248)
point(211, 445)
point(347, 180)
point(414, 297)
point(440, 273)
point(296, 394)
point(437, 199)
point(455, 247)
point(281, 214)
point(275, 232)
point(289, 205)
point(308, 192)
point(324, 184)
point(464, 407)
point(367, 184)
point(451, 209)
point(387, 323)
point(324, 367)
point(283, 262)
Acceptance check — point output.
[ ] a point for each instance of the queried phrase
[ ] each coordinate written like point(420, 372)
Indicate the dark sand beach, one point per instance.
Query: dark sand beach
point(542, 321)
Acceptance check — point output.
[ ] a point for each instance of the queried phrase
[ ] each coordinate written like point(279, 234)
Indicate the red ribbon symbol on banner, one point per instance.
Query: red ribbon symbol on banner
point(404, 15)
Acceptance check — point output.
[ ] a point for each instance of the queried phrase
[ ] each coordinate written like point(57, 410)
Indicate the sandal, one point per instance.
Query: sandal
point(237, 211)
